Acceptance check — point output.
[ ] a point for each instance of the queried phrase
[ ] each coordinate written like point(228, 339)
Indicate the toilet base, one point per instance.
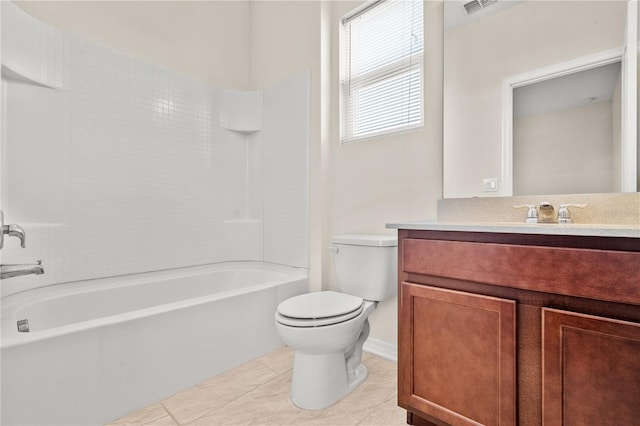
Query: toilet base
point(320, 380)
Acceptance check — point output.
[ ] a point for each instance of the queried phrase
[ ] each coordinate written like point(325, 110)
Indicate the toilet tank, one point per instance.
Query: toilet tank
point(366, 265)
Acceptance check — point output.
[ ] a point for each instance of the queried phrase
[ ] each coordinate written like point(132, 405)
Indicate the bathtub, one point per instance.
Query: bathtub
point(99, 349)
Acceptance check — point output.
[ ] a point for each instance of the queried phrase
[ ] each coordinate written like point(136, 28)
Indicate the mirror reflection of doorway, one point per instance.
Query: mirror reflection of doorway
point(567, 133)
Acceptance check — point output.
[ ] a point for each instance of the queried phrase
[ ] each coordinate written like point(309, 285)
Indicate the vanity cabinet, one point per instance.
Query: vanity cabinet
point(468, 343)
point(518, 329)
point(591, 370)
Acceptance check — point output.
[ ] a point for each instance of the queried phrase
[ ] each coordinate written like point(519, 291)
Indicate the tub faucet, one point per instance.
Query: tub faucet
point(11, 230)
point(10, 271)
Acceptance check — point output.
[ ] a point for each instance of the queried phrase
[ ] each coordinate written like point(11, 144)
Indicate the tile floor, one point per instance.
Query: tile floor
point(257, 393)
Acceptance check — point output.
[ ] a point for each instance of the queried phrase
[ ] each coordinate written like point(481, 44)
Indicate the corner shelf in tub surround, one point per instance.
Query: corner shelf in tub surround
point(515, 324)
point(15, 73)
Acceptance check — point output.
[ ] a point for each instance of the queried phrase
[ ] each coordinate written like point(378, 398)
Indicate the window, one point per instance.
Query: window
point(382, 68)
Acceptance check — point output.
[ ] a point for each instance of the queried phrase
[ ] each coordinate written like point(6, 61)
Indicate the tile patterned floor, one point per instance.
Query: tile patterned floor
point(257, 393)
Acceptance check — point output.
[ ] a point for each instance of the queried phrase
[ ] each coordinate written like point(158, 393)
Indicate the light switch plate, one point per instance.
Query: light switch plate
point(490, 185)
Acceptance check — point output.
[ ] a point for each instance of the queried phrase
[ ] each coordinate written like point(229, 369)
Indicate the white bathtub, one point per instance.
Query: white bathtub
point(100, 349)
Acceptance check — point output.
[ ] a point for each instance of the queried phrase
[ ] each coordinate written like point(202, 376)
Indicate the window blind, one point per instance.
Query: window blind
point(382, 69)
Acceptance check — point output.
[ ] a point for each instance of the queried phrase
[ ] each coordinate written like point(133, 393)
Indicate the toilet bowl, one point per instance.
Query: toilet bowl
point(327, 329)
point(328, 351)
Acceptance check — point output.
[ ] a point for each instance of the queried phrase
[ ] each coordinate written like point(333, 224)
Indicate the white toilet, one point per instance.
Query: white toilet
point(327, 329)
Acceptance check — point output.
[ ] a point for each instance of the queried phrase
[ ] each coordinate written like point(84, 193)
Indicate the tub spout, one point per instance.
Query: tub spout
point(10, 271)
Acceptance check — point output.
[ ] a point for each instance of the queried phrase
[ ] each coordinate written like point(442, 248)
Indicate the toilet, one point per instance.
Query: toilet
point(327, 329)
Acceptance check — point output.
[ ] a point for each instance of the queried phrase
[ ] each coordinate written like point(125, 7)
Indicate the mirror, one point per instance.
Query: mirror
point(501, 55)
point(565, 128)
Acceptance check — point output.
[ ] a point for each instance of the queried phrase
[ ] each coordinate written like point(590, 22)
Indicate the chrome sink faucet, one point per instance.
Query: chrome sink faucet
point(547, 213)
point(564, 215)
point(532, 212)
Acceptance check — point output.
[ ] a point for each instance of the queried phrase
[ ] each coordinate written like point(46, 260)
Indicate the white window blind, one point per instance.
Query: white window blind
point(382, 69)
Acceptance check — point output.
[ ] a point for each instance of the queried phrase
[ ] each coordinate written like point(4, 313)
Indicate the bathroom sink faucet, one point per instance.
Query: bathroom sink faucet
point(11, 230)
point(564, 215)
point(547, 213)
point(532, 212)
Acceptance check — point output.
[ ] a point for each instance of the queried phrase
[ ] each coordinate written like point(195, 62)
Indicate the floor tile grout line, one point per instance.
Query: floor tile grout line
point(232, 400)
point(272, 369)
point(276, 374)
point(169, 413)
point(219, 407)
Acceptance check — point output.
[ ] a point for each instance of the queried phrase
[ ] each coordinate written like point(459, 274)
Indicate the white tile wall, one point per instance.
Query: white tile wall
point(285, 168)
point(34, 50)
point(144, 149)
point(126, 168)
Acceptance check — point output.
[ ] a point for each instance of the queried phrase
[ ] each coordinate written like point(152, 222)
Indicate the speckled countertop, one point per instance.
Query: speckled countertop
point(625, 231)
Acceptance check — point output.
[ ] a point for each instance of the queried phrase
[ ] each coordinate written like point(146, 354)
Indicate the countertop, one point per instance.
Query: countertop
point(577, 229)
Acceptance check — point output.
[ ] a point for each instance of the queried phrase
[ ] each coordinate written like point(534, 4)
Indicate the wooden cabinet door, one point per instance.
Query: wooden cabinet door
point(591, 370)
point(457, 356)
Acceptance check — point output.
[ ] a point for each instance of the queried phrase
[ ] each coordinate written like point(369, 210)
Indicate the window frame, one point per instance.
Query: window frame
point(386, 72)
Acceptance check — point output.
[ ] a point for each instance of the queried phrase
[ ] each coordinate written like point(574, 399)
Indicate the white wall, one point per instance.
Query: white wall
point(390, 178)
point(547, 164)
point(527, 36)
point(207, 40)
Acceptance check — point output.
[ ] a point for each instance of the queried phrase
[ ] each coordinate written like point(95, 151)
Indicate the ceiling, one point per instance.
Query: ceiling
point(455, 14)
point(581, 88)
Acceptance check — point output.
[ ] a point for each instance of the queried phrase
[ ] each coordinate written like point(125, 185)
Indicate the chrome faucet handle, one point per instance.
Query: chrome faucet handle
point(564, 215)
point(532, 212)
point(12, 230)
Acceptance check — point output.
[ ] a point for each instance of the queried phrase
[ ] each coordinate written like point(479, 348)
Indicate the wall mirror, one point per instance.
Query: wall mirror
point(540, 97)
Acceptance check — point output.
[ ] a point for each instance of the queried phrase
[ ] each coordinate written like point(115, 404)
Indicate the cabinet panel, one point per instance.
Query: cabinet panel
point(602, 274)
point(591, 370)
point(457, 356)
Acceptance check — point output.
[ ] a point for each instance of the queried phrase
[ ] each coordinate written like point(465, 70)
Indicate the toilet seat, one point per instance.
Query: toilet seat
point(316, 322)
point(319, 309)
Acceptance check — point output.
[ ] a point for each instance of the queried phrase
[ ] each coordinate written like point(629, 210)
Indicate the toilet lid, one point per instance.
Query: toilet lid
point(322, 304)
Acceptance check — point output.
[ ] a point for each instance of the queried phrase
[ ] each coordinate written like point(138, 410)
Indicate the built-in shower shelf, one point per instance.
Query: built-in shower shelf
point(242, 111)
point(13, 73)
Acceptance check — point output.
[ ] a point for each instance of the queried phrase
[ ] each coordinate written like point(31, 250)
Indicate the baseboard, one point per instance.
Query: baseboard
point(381, 348)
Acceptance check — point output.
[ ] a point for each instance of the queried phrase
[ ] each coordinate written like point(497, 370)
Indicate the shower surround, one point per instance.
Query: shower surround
point(115, 166)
